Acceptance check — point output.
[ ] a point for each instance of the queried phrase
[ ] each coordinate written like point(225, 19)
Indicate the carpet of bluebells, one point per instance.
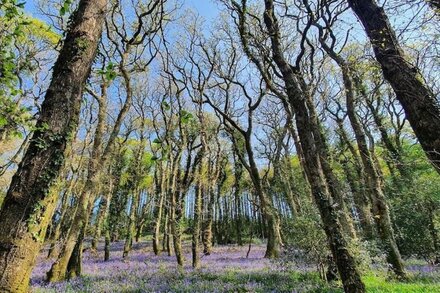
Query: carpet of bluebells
point(226, 270)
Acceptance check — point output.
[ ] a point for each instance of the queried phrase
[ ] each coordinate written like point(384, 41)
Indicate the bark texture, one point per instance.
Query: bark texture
point(28, 207)
point(419, 102)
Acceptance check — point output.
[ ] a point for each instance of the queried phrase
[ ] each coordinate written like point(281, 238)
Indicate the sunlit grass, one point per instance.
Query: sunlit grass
point(415, 284)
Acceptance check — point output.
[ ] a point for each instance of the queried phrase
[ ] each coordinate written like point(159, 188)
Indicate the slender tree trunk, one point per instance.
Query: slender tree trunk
point(176, 229)
point(208, 223)
point(268, 211)
point(417, 99)
point(238, 169)
point(59, 269)
point(107, 244)
point(167, 236)
point(238, 217)
point(196, 225)
point(361, 201)
point(28, 206)
point(102, 213)
point(175, 216)
point(394, 154)
point(158, 216)
point(53, 249)
point(131, 225)
point(379, 205)
point(333, 184)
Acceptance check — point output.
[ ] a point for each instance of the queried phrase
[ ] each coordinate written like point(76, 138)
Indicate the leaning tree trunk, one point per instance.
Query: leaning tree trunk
point(417, 99)
point(102, 213)
point(57, 233)
point(68, 263)
point(380, 208)
point(60, 268)
point(333, 184)
point(394, 153)
point(356, 184)
point(379, 205)
point(268, 211)
point(344, 260)
point(28, 206)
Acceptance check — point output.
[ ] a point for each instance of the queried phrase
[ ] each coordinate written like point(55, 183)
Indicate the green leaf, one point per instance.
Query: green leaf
point(3, 121)
point(166, 106)
point(185, 116)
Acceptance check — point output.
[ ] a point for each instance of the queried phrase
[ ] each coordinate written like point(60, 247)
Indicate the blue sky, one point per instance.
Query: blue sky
point(206, 8)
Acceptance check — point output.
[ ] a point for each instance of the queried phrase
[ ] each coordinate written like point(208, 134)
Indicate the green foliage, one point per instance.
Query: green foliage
point(166, 106)
point(109, 72)
point(415, 206)
point(185, 116)
point(17, 31)
point(306, 242)
point(34, 222)
point(11, 28)
point(65, 7)
point(157, 141)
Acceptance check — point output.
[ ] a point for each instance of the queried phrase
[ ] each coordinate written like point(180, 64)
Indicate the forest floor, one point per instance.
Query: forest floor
point(226, 270)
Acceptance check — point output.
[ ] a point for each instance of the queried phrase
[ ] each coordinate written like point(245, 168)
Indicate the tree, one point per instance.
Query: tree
point(419, 102)
point(29, 205)
point(68, 263)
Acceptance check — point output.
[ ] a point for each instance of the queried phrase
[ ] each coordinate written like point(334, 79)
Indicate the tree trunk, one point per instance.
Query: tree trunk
point(268, 211)
point(161, 180)
point(107, 244)
point(344, 260)
point(53, 249)
point(157, 224)
point(196, 225)
point(417, 99)
point(208, 225)
point(28, 205)
point(394, 154)
point(333, 184)
point(238, 173)
point(372, 178)
point(167, 235)
point(59, 269)
point(131, 225)
point(357, 184)
point(102, 213)
point(380, 209)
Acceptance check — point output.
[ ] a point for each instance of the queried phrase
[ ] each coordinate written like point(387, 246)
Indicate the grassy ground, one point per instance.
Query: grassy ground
point(226, 270)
